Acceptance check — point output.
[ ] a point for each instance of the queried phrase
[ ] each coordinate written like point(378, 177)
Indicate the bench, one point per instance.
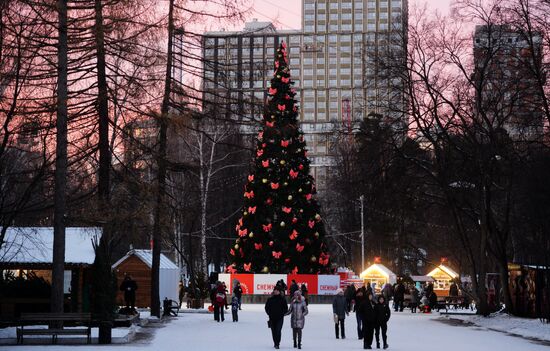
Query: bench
point(57, 320)
point(448, 302)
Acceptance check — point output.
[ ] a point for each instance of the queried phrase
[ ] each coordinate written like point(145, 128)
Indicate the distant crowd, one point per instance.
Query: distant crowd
point(372, 311)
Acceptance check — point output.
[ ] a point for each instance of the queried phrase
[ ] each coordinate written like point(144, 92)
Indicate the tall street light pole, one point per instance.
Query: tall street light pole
point(362, 199)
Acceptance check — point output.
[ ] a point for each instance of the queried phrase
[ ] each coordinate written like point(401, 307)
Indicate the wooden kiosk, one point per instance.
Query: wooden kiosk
point(443, 277)
point(378, 275)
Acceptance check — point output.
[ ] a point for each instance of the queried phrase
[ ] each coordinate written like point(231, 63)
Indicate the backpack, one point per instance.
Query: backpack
point(220, 297)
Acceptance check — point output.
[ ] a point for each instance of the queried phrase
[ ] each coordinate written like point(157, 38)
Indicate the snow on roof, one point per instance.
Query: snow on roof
point(35, 245)
point(379, 268)
point(444, 269)
point(147, 257)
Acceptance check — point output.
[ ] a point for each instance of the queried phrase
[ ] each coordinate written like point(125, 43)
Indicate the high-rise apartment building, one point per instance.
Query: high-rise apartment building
point(342, 60)
point(506, 62)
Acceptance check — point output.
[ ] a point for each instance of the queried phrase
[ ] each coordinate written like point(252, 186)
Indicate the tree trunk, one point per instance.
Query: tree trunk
point(58, 264)
point(504, 276)
point(102, 106)
point(161, 176)
point(105, 291)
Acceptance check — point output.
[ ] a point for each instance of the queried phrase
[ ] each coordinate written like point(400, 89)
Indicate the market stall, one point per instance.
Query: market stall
point(443, 277)
point(377, 276)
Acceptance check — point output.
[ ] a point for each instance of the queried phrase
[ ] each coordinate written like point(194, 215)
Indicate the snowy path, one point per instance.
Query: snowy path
point(410, 332)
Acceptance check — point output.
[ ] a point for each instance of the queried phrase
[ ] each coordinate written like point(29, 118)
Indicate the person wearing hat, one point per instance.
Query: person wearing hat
point(297, 311)
point(340, 310)
point(276, 308)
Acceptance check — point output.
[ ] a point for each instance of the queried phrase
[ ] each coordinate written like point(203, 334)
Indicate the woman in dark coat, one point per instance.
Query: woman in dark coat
point(360, 297)
point(276, 308)
point(340, 310)
point(238, 291)
point(304, 291)
point(369, 321)
point(382, 311)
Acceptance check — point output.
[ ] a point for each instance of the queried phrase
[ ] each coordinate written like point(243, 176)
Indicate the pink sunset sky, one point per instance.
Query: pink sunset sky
point(288, 12)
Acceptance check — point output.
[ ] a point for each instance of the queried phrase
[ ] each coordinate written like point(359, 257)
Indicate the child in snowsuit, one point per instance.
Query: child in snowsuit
point(235, 308)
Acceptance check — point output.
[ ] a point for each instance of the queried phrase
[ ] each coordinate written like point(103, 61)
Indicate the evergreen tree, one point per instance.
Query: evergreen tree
point(280, 230)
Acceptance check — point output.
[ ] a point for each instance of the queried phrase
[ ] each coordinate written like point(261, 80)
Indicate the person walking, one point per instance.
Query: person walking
point(235, 308)
point(220, 303)
point(276, 308)
point(382, 312)
point(360, 298)
point(387, 291)
point(340, 310)
point(293, 288)
point(399, 297)
point(453, 289)
point(304, 291)
point(349, 294)
point(415, 297)
point(369, 321)
point(297, 311)
point(238, 291)
point(129, 286)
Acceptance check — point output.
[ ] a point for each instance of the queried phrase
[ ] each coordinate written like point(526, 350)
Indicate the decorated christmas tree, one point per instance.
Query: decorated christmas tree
point(280, 230)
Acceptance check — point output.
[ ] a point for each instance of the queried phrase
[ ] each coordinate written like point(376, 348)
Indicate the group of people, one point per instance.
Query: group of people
point(372, 316)
point(218, 297)
point(371, 312)
point(276, 308)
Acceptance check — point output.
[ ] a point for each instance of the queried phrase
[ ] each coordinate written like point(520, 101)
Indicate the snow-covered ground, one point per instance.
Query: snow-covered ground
point(407, 331)
point(529, 328)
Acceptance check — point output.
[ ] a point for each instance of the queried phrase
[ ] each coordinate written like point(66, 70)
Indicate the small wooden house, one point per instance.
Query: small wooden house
point(26, 254)
point(137, 264)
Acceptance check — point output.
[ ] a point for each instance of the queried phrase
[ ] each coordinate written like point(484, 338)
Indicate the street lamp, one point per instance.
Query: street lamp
point(362, 199)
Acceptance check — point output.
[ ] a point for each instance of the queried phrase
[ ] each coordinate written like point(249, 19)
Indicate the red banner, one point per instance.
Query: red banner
point(310, 280)
point(247, 282)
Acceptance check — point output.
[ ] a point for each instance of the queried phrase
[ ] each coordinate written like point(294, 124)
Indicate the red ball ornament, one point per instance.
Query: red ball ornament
point(287, 260)
point(301, 167)
point(271, 243)
point(294, 220)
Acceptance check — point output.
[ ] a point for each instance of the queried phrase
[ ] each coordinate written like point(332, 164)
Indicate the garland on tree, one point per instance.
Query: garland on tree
point(280, 230)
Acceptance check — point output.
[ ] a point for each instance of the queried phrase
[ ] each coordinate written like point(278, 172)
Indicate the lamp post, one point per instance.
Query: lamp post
point(362, 199)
